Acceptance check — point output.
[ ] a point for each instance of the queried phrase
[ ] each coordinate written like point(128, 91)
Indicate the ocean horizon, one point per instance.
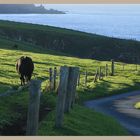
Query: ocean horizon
point(119, 21)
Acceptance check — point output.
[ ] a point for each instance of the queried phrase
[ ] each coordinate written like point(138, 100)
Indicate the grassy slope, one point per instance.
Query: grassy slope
point(84, 45)
point(123, 81)
point(82, 122)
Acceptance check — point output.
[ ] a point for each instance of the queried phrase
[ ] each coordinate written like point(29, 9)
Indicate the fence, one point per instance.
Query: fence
point(53, 77)
point(99, 74)
point(33, 109)
point(66, 92)
point(69, 79)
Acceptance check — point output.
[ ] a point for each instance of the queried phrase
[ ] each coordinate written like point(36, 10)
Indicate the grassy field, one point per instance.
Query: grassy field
point(13, 109)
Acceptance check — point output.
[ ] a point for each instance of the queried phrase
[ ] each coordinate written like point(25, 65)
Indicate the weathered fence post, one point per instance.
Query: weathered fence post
point(50, 78)
point(100, 73)
point(71, 88)
point(33, 109)
point(106, 70)
point(75, 76)
point(96, 76)
point(78, 81)
point(54, 78)
point(62, 90)
point(85, 78)
point(112, 67)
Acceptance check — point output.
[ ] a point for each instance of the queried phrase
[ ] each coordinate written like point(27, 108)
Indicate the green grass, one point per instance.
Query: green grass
point(77, 122)
point(12, 109)
point(43, 61)
point(82, 122)
point(137, 105)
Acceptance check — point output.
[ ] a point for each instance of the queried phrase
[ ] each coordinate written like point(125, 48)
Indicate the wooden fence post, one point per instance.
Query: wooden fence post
point(62, 90)
point(71, 88)
point(96, 76)
point(85, 78)
point(50, 78)
point(75, 75)
point(78, 81)
point(100, 73)
point(54, 78)
point(106, 70)
point(33, 109)
point(112, 67)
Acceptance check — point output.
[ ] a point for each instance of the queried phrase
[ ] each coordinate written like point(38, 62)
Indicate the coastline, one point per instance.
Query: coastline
point(63, 28)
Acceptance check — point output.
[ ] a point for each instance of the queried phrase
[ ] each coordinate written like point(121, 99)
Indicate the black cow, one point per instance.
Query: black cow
point(25, 67)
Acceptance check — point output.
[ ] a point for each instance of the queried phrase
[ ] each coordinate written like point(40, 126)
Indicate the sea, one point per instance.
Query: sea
point(120, 21)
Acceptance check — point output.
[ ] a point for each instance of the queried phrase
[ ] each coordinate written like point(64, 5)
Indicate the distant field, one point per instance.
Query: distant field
point(12, 107)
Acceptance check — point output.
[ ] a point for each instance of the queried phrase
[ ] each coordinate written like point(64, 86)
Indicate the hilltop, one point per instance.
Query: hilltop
point(26, 9)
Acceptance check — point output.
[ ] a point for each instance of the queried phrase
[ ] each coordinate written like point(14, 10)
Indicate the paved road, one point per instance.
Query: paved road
point(121, 108)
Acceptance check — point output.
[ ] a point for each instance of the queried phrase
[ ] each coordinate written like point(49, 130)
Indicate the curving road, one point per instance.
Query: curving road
point(120, 107)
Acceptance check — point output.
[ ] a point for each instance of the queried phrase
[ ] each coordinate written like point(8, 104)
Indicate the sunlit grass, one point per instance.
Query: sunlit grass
point(43, 61)
point(123, 81)
point(137, 105)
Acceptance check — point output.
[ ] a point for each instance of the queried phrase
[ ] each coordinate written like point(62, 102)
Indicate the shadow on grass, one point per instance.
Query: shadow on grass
point(65, 130)
point(8, 74)
point(115, 83)
point(4, 87)
point(50, 64)
point(7, 64)
point(25, 46)
point(102, 89)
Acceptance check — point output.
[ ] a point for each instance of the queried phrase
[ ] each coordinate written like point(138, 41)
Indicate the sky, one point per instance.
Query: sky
point(75, 8)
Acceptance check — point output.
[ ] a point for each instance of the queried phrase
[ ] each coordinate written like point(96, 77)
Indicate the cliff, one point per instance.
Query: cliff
point(26, 9)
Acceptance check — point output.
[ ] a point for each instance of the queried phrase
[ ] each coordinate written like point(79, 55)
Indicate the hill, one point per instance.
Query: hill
point(17, 39)
point(13, 108)
point(26, 9)
point(74, 43)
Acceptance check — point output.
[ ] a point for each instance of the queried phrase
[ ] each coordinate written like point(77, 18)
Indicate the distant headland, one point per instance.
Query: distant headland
point(26, 9)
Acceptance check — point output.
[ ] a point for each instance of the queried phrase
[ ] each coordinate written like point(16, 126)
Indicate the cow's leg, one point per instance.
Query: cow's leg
point(22, 80)
point(25, 78)
point(28, 78)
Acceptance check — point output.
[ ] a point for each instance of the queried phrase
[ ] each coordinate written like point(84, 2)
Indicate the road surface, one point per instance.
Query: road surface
point(121, 107)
